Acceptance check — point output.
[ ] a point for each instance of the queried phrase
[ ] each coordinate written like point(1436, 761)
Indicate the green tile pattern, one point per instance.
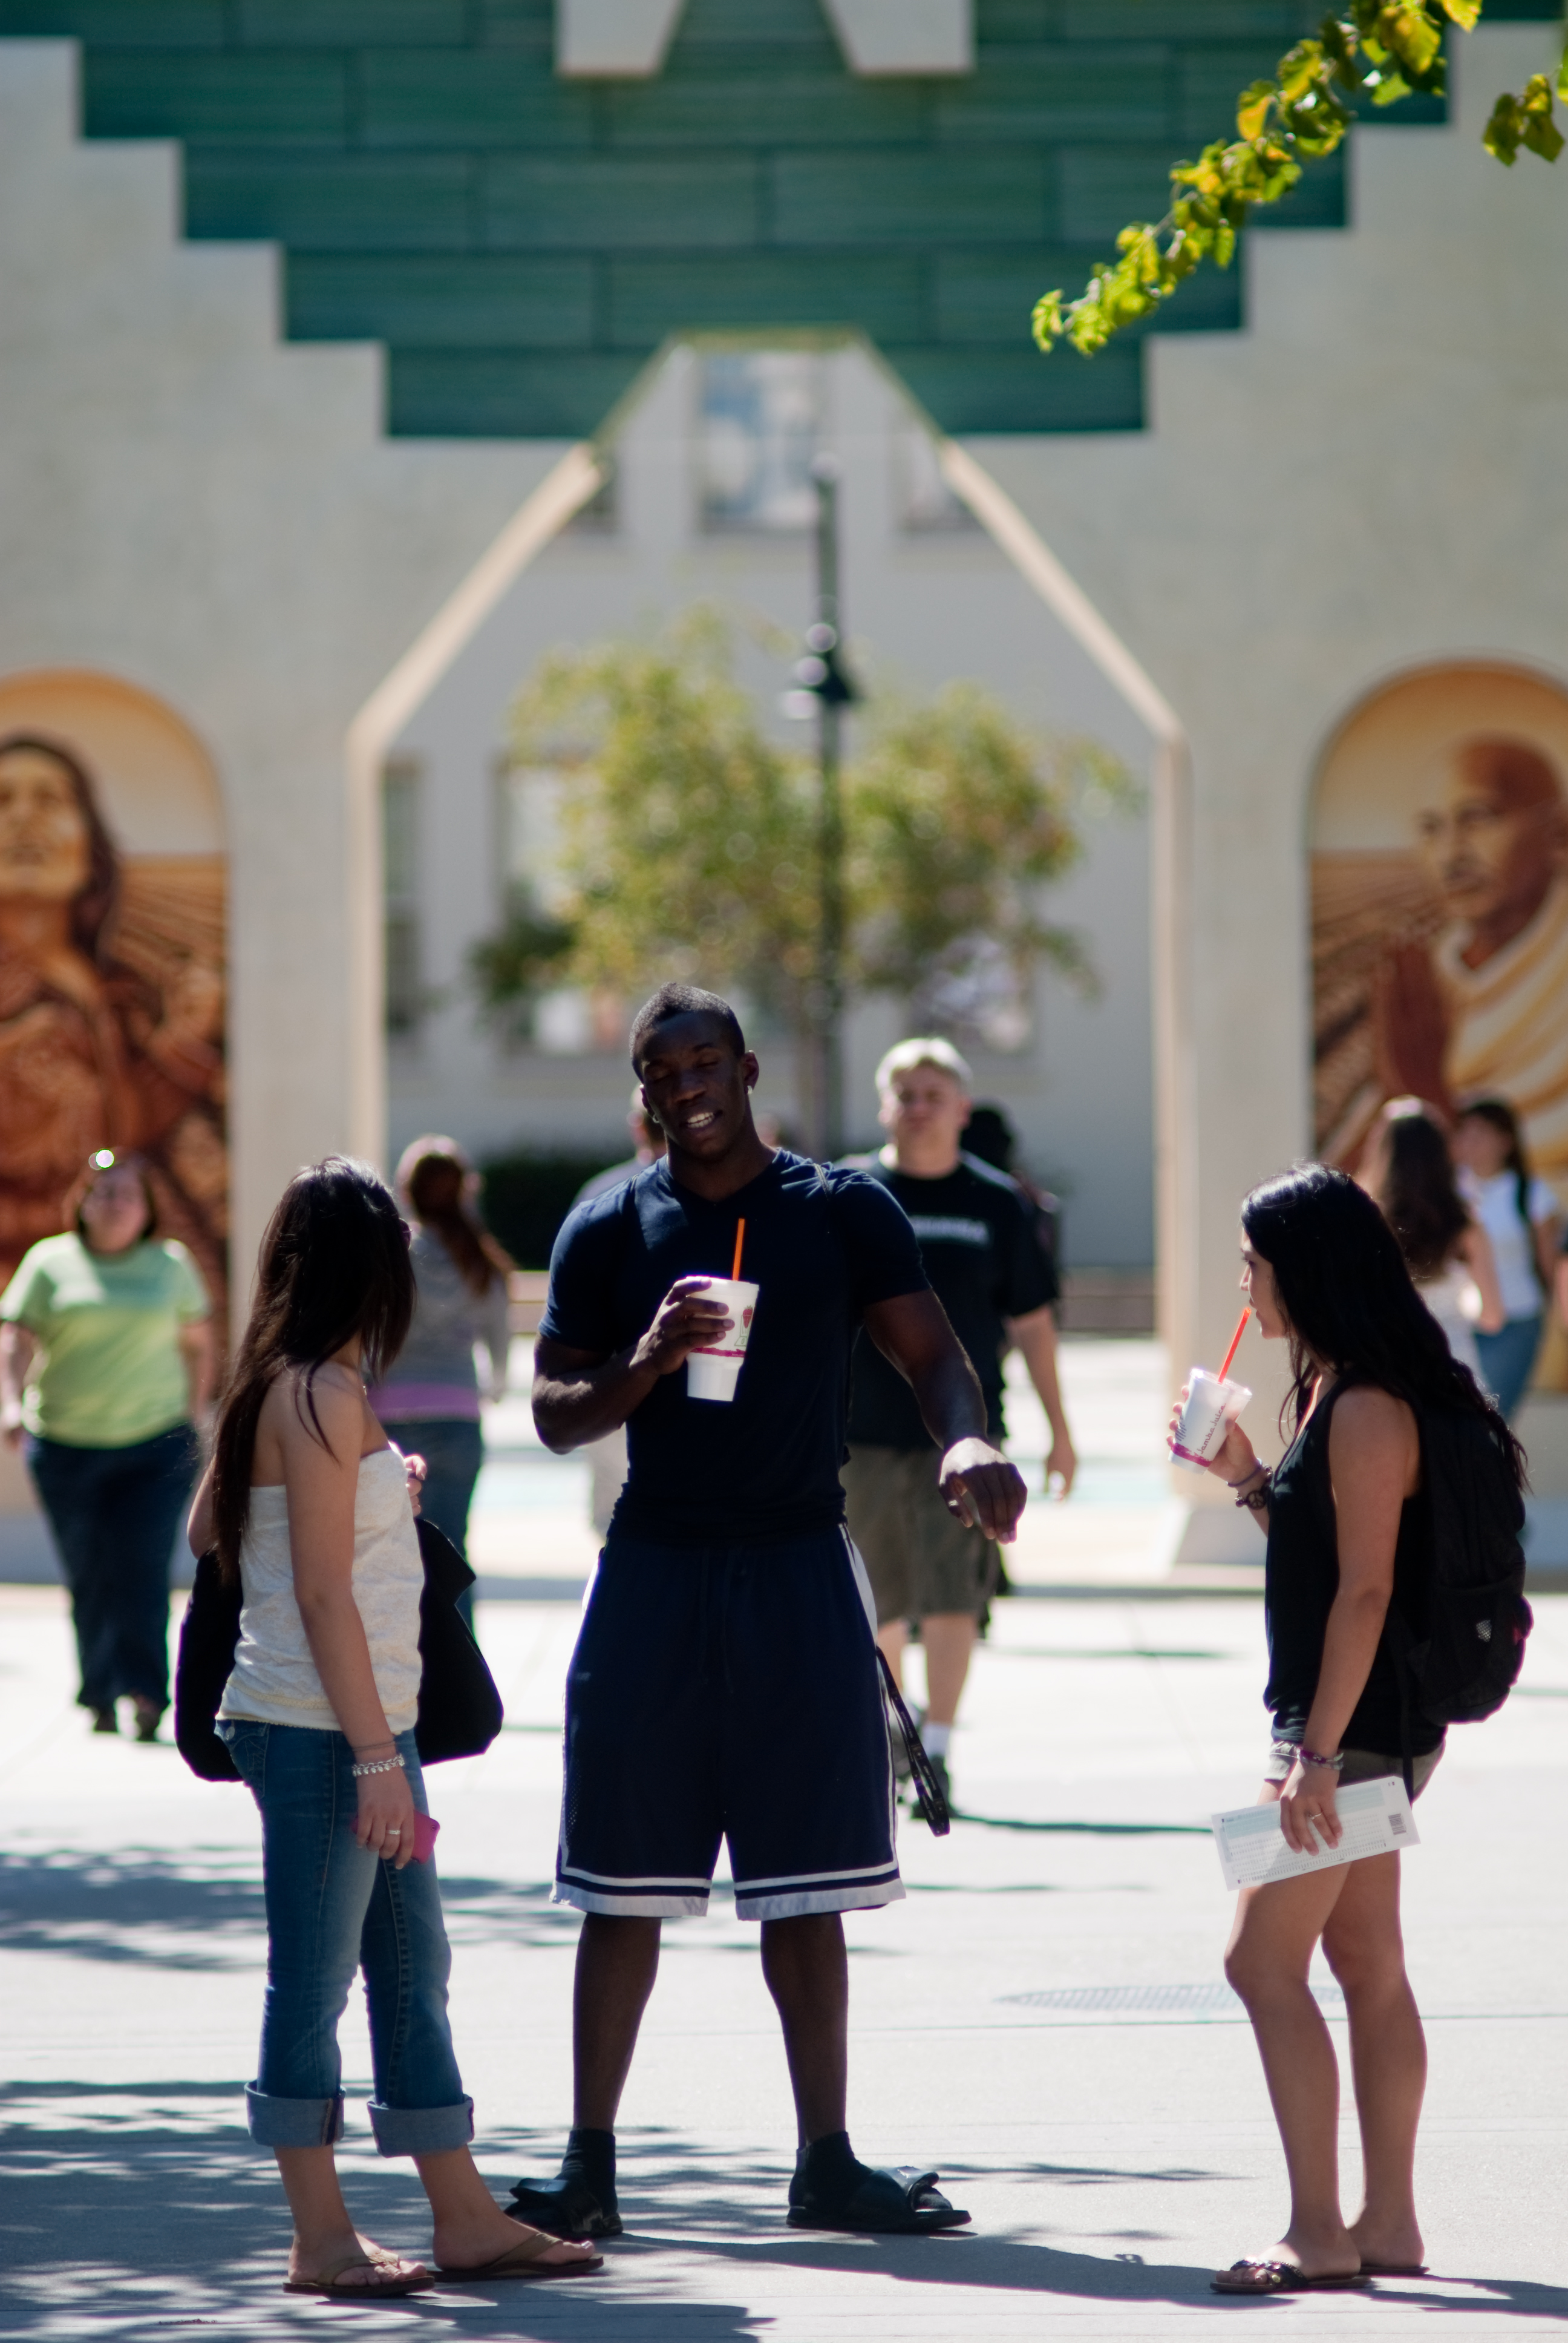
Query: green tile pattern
point(522, 245)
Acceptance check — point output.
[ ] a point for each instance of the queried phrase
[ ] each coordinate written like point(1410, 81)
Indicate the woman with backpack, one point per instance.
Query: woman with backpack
point(307, 1504)
point(1523, 1220)
point(1349, 1513)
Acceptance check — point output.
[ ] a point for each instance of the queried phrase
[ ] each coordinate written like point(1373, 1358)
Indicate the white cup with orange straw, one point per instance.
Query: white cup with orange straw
point(1210, 1407)
point(713, 1372)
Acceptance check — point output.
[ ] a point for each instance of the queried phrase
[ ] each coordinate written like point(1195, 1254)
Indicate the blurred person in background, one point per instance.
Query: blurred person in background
point(647, 1146)
point(977, 1236)
point(105, 1365)
point(989, 1133)
point(1523, 1221)
point(1410, 1175)
point(430, 1399)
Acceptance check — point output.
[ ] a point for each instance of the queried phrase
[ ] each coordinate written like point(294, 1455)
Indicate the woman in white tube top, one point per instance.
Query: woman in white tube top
point(308, 1505)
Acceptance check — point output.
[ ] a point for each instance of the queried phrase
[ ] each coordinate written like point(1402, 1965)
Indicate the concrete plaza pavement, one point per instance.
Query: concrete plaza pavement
point(1043, 2018)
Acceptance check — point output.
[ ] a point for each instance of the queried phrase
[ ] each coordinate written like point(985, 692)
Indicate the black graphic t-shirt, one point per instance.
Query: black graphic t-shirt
point(822, 1246)
point(980, 1248)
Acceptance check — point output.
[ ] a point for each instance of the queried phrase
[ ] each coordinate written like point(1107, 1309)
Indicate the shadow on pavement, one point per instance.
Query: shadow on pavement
point(1086, 1830)
point(206, 1912)
point(132, 2209)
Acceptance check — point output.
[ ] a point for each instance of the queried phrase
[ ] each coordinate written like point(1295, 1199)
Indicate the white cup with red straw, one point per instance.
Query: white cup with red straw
point(713, 1372)
point(1210, 1407)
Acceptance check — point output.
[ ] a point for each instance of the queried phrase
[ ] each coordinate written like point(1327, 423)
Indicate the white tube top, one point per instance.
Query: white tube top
point(275, 1680)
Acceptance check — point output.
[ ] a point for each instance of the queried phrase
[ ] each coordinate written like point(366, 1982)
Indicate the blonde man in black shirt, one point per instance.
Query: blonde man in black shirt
point(979, 1246)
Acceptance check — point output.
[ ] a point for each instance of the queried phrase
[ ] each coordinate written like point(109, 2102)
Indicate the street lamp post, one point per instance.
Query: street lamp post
point(821, 673)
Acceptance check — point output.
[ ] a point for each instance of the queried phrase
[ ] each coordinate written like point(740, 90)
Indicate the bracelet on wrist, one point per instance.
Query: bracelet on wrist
point(393, 1764)
point(1313, 1757)
point(1255, 1499)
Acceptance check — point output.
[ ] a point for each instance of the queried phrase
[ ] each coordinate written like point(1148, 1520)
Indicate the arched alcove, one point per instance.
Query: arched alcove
point(1440, 903)
point(119, 1040)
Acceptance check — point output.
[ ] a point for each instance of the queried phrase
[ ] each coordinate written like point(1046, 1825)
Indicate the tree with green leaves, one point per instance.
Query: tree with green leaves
point(1364, 52)
point(688, 843)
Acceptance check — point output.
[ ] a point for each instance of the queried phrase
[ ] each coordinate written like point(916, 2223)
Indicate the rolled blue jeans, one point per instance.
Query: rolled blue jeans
point(333, 1907)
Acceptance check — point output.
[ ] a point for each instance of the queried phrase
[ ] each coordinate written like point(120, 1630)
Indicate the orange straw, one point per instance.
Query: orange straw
point(1235, 1339)
point(739, 1241)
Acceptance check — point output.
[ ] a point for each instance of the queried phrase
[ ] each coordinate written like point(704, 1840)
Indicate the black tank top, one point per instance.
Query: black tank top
point(1301, 1580)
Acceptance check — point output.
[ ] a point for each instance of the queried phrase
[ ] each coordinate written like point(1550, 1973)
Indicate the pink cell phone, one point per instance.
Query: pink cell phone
point(424, 1830)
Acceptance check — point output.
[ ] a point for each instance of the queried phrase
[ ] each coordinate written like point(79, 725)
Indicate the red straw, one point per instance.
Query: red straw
point(1235, 1339)
point(740, 1240)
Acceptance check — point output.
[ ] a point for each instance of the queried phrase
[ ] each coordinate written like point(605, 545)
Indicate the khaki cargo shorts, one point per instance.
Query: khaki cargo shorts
point(922, 1561)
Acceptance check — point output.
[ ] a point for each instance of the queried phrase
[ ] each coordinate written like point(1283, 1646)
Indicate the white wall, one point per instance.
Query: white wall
point(920, 608)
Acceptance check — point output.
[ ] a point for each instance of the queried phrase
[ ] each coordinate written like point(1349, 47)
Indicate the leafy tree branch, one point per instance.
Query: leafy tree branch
point(688, 843)
point(1376, 50)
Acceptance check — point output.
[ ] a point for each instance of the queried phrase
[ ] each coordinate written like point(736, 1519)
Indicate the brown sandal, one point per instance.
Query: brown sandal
point(384, 2287)
point(525, 2259)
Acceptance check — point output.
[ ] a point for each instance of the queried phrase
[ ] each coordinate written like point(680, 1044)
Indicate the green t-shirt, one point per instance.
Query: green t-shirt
point(108, 1369)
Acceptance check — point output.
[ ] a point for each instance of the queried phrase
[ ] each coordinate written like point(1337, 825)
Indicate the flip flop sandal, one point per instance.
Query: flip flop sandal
point(1282, 2278)
point(523, 2260)
point(897, 2202)
point(1394, 2269)
point(567, 2208)
point(390, 2289)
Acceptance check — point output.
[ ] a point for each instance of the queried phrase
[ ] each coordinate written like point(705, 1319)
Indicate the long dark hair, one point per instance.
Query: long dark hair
point(91, 908)
point(1347, 1295)
point(1505, 1123)
point(334, 1264)
point(1417, 1191)
point(433, 1174)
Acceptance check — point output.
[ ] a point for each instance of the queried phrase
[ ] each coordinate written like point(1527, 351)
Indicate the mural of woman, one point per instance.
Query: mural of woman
point(105, 1040)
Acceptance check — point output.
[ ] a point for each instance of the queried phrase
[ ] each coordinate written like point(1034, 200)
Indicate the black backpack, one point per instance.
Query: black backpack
point(459, 1707)
point(1467, 1661)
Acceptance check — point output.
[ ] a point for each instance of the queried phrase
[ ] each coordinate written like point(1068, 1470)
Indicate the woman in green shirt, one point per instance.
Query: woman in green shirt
point(106, 1360)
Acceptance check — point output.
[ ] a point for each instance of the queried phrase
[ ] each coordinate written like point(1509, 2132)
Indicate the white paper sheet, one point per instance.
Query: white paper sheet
point(1375, 1819)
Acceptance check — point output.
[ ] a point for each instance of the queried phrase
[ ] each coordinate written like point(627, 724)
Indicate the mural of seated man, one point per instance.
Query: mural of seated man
point(1482, 1006)
point(111, 1014)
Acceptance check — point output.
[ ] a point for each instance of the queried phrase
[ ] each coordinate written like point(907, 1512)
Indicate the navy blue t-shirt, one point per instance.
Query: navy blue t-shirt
point(822, 1245)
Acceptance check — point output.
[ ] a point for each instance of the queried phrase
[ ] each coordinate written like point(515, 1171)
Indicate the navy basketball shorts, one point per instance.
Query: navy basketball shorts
point(727, 1693)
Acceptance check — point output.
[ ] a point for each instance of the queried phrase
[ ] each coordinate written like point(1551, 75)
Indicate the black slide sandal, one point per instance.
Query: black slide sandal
point(567, 2208)
point(899, 2202)
point(1263, 2277)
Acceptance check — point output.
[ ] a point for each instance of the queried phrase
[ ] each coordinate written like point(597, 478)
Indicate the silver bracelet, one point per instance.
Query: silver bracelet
point(378, 1765)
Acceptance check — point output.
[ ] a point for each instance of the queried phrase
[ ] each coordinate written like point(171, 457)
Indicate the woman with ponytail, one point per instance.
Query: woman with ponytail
point(308, 1506)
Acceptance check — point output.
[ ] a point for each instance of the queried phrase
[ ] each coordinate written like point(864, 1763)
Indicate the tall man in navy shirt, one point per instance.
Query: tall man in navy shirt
point(725, 1680)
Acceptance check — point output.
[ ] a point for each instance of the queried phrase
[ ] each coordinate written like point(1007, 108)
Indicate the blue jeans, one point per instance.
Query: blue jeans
point(333, 1907)
point(114, 1512)
point(1508, 1358)
point(453, 1447)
